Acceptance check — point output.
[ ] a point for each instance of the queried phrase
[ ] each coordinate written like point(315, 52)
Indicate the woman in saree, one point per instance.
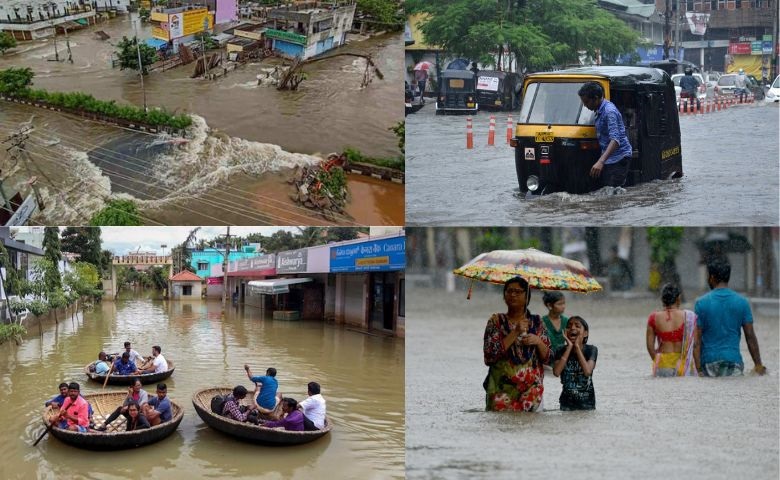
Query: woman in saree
point(674, 329)
point(516, 348)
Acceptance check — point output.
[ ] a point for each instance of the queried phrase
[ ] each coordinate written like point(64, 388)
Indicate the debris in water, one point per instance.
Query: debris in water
point(322, 187)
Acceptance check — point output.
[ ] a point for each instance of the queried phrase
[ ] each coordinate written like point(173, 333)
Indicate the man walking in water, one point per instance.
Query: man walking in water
point(722, 313)
point(612, 165)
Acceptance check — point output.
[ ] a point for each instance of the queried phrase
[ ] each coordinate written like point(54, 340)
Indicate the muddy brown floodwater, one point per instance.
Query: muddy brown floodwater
point(362, 378)
point(643, 427)
point(240, 130)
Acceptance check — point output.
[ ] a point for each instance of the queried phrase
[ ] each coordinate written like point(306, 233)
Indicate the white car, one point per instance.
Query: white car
point(701, 94)
point(773, 94)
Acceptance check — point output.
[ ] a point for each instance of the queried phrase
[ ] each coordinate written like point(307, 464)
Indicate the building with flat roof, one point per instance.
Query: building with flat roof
point(34, 19)
point(307, 29)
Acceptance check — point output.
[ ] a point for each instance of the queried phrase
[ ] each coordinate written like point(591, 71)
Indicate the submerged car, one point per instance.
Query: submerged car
point(413, 98)
point(555, 138)
point(726, 86)
point(498, 90)
point(457, 93)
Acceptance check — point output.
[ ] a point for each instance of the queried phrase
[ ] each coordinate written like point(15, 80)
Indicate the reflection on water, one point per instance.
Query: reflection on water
point(361, 375)
point(642, 426)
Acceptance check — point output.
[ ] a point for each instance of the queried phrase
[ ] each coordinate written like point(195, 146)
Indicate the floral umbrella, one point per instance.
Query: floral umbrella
point(424, 65)
point(541, 270)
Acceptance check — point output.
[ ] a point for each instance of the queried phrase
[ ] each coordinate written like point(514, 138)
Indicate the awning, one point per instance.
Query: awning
point(276, 286)
point(155, 43)
point(82, 21)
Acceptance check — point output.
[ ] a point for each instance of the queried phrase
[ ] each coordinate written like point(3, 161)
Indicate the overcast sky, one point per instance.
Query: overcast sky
point(121, 240)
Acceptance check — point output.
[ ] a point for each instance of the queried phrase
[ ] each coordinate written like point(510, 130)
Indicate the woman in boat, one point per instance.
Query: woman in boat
point(135, 394)
point(675, 330)
point(135, 419)
point(516, 348)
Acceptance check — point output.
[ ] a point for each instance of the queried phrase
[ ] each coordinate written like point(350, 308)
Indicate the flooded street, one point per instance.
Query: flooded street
point(729, 162)
point(642, 426)
point(362, 378)
point(242, 134)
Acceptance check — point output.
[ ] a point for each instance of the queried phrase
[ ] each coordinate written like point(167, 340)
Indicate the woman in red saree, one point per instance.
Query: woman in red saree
point(674, 329)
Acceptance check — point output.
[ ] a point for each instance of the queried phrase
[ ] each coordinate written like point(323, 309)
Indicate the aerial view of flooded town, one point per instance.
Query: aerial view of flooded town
point(242, 112)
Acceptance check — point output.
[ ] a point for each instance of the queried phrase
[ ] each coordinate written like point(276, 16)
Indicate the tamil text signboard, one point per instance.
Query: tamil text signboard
point(286, 36)
point(372, 256)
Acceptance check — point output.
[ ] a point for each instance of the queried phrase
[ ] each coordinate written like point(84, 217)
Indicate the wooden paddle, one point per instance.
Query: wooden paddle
point(108, 375)
point(48, 429)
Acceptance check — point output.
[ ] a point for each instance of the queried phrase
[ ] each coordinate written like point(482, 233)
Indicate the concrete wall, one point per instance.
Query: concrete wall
point(354, 300)
point(176, 291)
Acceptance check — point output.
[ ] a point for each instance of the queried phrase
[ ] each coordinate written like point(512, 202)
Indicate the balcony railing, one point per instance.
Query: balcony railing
point(27, 16)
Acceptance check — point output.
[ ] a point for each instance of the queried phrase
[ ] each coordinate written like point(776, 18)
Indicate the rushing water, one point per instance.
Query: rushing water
point(362, 377)
point(729, 162)
point(242, 135)
point(643, 427)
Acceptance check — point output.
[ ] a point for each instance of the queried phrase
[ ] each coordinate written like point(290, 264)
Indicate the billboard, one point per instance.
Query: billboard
point(372, 256)
point(292, 262)
point(176, 25)
point(193, 21)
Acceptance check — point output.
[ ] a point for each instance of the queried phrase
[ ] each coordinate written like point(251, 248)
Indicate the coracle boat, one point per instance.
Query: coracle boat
point(115, 438)
point(115, 379)
point(201, 400)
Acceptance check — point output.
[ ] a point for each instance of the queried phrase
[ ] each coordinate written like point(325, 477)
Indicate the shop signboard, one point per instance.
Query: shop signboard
point(291, 262)
point(264, 262)
point(286, 36)
point(755, 48)
point(383, 255)
point(742, 48)
point(766, 47)
point(160, 33)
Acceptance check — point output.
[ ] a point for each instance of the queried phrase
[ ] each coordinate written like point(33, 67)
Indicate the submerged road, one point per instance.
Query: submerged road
point(729, 160)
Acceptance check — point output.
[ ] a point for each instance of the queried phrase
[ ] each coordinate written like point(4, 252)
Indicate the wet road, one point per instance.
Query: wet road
point(361, 376)
point(642, 427)
point(729, 160)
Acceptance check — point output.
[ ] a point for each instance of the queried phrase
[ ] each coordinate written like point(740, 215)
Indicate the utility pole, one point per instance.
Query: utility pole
point(140, 65)
point(67, 44)
point(225, 269)
point(17, 150)
point(56, 53)
point(667, 33)
point(677, 30)
point(203, 47)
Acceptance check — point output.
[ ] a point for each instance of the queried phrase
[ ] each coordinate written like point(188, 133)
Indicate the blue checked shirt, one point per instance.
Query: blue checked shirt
point(609, 126)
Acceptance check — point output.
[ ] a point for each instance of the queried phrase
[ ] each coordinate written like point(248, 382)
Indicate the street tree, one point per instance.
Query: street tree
point(52, 253)
point(383, 11)
point(537, 34)
point(127, 53)
point(117, 212)
point(86, 242)
point(7, 42)
point(182, 254)
point(15, 80)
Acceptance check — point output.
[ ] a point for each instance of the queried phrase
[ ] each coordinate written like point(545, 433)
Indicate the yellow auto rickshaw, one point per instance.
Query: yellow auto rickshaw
point(555, 137)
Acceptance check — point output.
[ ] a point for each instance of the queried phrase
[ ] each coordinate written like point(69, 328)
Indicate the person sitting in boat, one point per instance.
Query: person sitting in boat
point(101, 365)
point(158, 409)
point(124, 366)
point(135, 419)
point(57, 401)
point(74, 414)
point(134, 356)
point(292, 418)
point(267, 398)
point(313, 408)
point(233, 408)
point(135, 394)
point(159, 363)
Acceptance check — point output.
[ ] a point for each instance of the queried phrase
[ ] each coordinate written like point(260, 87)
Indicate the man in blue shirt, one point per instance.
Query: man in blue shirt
point(268, 386)
point(612, 166)
point(158, 409)
point(722, 313)
point(124, 366)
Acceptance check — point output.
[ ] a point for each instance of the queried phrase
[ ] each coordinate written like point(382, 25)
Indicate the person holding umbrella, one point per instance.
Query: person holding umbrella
point(516, 348)
point(421, 76)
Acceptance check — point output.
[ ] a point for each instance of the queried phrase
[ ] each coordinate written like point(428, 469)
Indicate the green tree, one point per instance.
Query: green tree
point(381, 10)
point(83, 279)
point(117, 212)
point(538, 34)
point(6, 42)
point(51, 252)
point(182, 255)
point(15, 80)
point(400, 131)
point(127, 54)
point(86, 242)
point(280, 241)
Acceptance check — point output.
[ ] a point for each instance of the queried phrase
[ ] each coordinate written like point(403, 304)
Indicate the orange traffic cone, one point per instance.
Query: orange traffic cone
point(469, 134)
point(509, 129)
point(492, 131)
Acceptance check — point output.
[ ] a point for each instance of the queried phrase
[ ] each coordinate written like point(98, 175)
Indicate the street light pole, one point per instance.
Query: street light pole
point(140, 65)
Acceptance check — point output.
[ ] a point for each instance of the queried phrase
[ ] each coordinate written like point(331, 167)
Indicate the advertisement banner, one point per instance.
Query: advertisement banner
point(766, 47)
point(292, 262)
point(215, 280)
point(264, 262)
point(697, 22)
point(371, 256)
point(160, 34)
point(242, 264)
point(194, 21)
point(742, 48)
point(756, 48)
point(176, 25)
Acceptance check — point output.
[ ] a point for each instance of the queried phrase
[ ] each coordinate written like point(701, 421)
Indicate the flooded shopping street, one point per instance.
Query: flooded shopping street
point(642, 426)
point(243, 135)
point(362, 377)
point(729, 162)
